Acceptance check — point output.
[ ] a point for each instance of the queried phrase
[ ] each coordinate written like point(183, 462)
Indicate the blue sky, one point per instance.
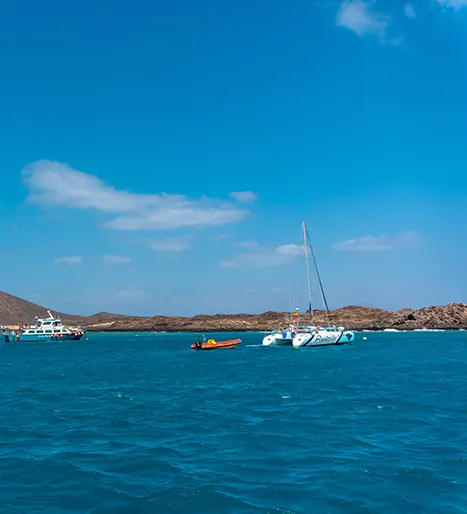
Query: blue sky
point(158, 157)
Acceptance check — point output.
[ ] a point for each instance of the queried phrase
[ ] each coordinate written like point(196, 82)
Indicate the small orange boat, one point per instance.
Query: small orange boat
point(211, 344)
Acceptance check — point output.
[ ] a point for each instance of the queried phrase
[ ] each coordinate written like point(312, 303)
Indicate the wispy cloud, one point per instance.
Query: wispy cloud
point(409, 11)
point(116, 259)
point(223, 235)
point(69, 261)
point(278, 289)
point(455, 4)
point(243, 196)
point(248, 244)
point(57, 184)
point(360, 17)
point(259, 256)
point(170, 244)
point(378, 243)
point(131, 292)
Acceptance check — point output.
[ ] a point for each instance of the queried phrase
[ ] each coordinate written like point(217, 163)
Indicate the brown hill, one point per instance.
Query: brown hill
point(103, 317)
point(14, 309)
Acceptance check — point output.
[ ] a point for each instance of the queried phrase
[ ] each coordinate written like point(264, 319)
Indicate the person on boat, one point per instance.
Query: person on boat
point(198, 344)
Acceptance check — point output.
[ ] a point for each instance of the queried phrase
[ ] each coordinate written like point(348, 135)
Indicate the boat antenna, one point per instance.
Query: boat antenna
point(310, 307)
point(323, 295)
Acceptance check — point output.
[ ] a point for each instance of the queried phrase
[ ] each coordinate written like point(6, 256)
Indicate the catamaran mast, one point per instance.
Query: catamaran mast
point(308, 271)
point(323, 295)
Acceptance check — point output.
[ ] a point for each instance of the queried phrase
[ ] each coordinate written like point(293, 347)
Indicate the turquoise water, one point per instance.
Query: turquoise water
point(126, 424)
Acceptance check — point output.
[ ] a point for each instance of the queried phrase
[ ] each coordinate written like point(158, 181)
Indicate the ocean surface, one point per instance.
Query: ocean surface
point(141, 424)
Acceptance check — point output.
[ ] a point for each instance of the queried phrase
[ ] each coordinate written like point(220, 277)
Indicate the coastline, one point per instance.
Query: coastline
point(94, 330)
point(15, 311)
point(449, 317)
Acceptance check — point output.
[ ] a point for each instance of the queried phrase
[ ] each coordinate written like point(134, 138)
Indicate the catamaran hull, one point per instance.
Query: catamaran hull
point(280, 339)
point(323, 338)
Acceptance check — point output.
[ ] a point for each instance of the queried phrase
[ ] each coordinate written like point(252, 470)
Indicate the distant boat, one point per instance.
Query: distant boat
point(44, 330)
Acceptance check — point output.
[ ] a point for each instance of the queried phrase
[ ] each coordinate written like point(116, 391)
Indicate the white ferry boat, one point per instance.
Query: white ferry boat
point(44, 330)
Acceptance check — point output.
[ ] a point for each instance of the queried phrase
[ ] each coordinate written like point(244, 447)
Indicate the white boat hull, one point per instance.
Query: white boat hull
point(279, 339)
point(322, 338)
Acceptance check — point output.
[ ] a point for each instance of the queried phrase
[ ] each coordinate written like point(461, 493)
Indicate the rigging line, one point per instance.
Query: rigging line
point(298, 272)
point(294, 293)
point(305, 244)
point(319, 277)
point(293, 290)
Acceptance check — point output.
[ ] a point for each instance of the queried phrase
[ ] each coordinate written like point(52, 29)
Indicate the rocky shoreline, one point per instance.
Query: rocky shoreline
point(448, 317)
point(14, 310)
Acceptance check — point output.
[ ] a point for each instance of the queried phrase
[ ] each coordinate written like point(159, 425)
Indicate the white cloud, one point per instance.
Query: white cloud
point(243, 196)
point(248, 244)
point(69, 261)
point(290, 250)
point(455, 4)
point(223, 235)
point(170, 244)
point(409, 11)
point(116, 259)
point(378, 243)
point(259, 256)
point(359, 17)
point(185, 214)
point(131, 292)
point(57, 184)
point(278, 289)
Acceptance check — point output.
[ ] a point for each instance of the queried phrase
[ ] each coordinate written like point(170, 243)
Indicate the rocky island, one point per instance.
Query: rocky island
point(447, 317)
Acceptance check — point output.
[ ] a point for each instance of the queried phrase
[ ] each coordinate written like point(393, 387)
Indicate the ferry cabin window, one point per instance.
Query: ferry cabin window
point(48, 331)
point(40, 331)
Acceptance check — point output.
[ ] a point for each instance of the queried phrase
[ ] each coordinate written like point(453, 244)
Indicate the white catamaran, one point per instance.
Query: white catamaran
point(315, 335)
